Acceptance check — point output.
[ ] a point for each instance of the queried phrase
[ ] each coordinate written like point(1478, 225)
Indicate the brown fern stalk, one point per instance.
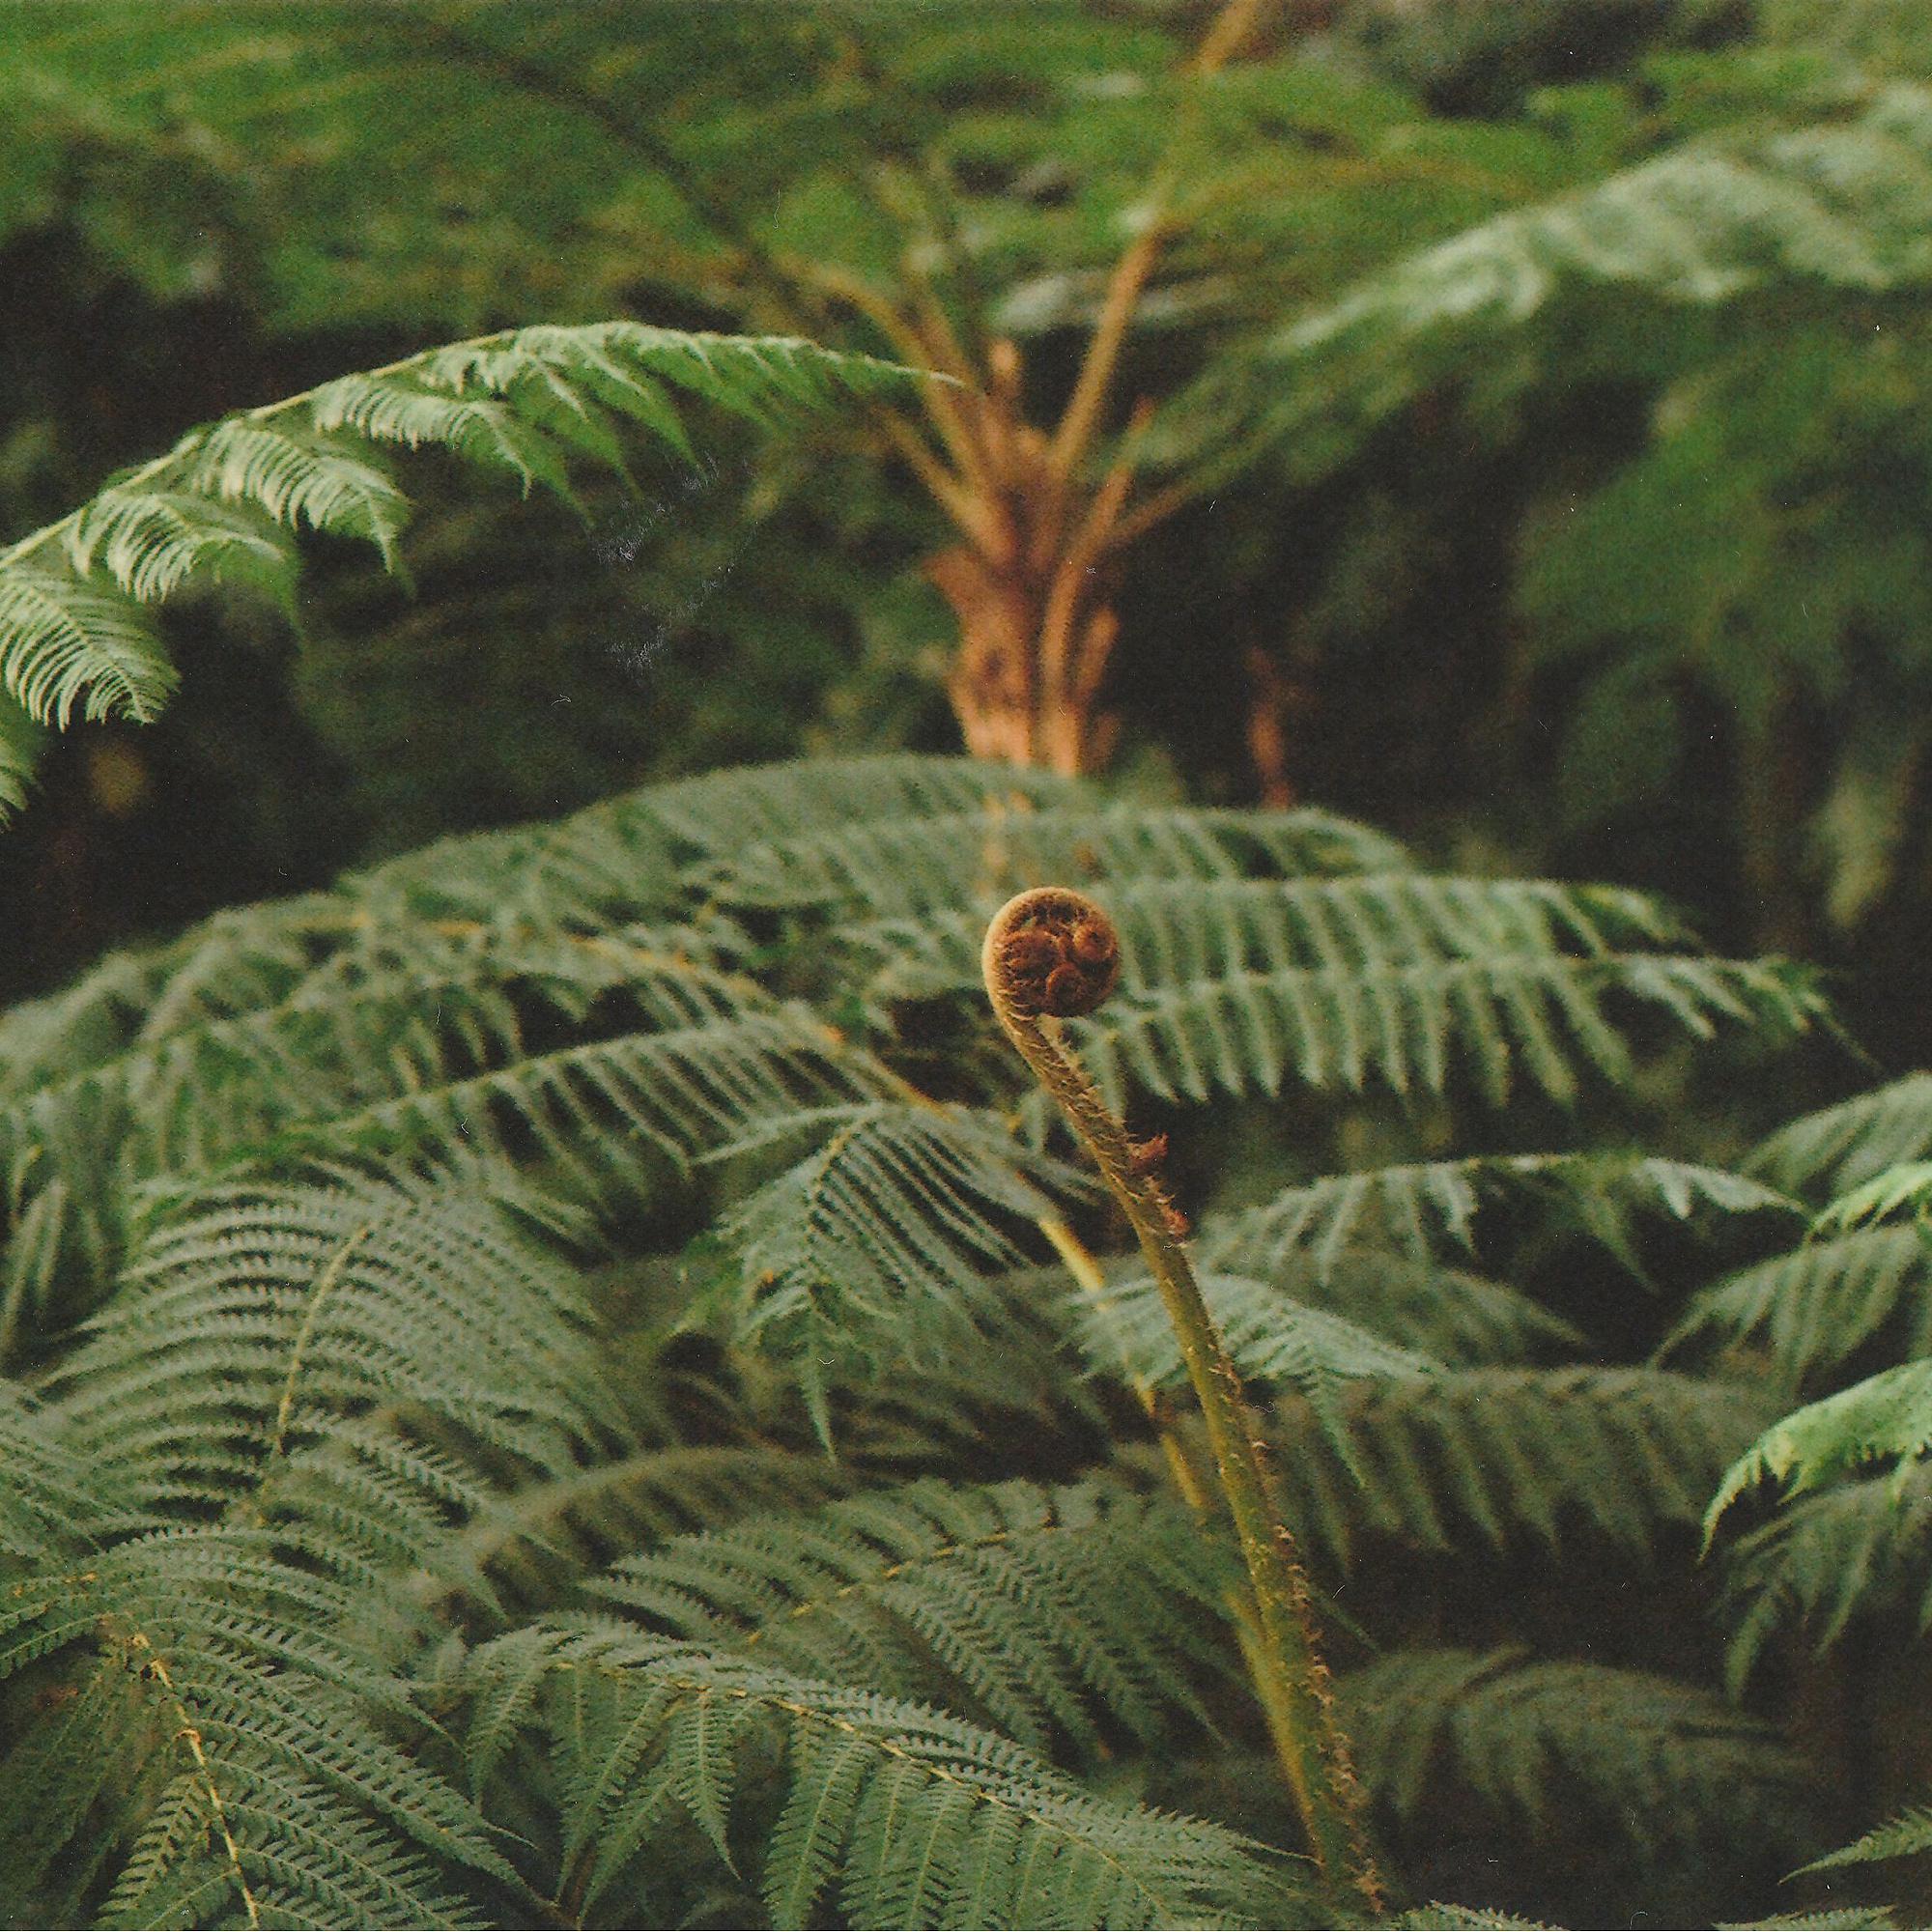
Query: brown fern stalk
point(1052, 954)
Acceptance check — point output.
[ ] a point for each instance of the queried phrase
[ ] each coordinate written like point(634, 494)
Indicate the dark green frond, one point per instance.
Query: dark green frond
point(1858, 1551)
point(1422, 1209)
point(903, 1815)
point(1031, 1609)
point(1830, 1152)
point(878, 1243)
point(1807, 1312)
point(1504, 1455)
point(1668, 1769)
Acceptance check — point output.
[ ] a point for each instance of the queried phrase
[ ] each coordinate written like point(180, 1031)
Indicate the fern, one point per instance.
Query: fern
point(1518, 1458)
point(914, 1816)
point(1841, 203)
point(1029, 1607)
point(226, 504)
point(1670, 1769)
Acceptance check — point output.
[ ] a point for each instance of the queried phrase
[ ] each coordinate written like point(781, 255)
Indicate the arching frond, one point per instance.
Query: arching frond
point(905, 868)
point(1670, 1769)
point(1241, 985)
point(1856, 1551)
point(878, 1243)
point(1884, 1418)
point(1842, 205)
point(1830, 1152)
point(1810, 1310)
point(225, 502)
point(1423, 1208)
point(1508, 1457)
point(1050, 1612)
point(911, 1817)
point(1271, 1336)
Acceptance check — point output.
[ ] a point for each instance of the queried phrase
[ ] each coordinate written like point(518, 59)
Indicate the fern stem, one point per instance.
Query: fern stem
point(1081, 1263)
point(1050, 954)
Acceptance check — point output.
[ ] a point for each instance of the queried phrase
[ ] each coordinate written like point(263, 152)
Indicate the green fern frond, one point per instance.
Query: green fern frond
point(1883, 1195)
point(1672, 1769)
point(1508, 1456)
point(249, 1694)
point(1837, 1149)
point(1047, 1612)
point(1421, 1210)
point(906, 867)
point(909, 1816)
point(1807, 1312)
point(1843, 205)
point(877, 1244)
point(1887, 1416)
point(1839, 1919)
point(1271, 1338)
point(1902, 1838)
point(1239, 986)
point(1858, 1551)
point(224, 503)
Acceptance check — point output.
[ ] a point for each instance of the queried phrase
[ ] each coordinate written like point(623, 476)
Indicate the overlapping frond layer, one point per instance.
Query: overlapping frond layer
point(1804, 1314)
point(1671, 1769)
point(1842, 205)
point(1514, 1458)
point(227, 1691)
point(879, 1244)
point(1032, 1607)
point(905, 868)
point(1421, 1210)
point(1857, 1552)
point(900, 1814)
point(226, 504)
point(1827, 1153)
point(1271, 1336)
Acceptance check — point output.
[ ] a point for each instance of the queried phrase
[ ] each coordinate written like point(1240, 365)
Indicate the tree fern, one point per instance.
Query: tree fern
point(224, 505)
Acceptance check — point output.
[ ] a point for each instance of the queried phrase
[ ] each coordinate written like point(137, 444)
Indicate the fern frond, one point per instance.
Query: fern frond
point(1902, 1838)
point(1423, 1208)
point(257, 1342)
point(1047, 1612)
point(915, 1817)
point(1238, 986)
point(1508, 1457)
point(1856, 1551)
point(1837, 1149)
point(1671, 1770)
point(1842, 205)
point(1811, 1310)
point(1271, 1336)
point(221, 504)
point(252, 1690)
point(877, 1244)
point(1885, 1416)
point(906, 867)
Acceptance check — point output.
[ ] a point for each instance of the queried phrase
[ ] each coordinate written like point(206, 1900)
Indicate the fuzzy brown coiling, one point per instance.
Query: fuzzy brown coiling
point(1052, 951)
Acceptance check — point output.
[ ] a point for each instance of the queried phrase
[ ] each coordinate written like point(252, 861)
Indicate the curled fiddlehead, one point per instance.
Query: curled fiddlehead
point(1052, 954)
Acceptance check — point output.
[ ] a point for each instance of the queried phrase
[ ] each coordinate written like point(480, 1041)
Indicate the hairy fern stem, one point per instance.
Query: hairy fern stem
point(1051, 953)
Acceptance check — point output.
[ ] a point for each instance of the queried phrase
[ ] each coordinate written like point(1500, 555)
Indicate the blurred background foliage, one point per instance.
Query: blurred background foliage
point(1508, 545)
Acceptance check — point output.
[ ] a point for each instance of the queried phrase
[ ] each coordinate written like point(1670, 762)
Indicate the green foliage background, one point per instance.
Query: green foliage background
point(1548, 384)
